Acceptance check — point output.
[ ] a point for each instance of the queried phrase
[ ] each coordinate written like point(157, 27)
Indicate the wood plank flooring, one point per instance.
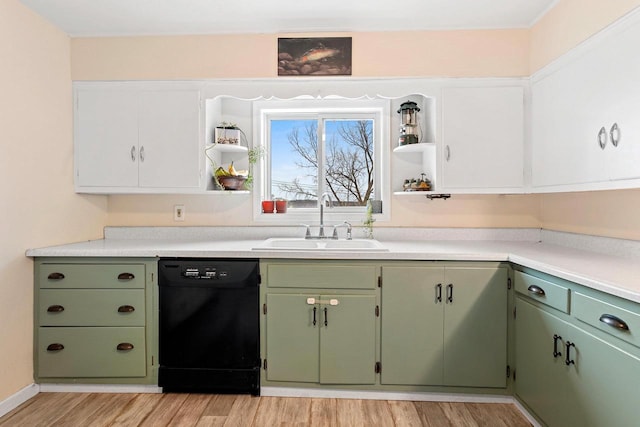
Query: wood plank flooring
point(209, 410)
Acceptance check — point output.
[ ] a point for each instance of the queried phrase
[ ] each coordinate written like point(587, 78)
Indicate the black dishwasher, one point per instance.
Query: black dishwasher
point(209, 325)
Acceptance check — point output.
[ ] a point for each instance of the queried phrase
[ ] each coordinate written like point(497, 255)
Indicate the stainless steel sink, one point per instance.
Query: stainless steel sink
point(283, 244)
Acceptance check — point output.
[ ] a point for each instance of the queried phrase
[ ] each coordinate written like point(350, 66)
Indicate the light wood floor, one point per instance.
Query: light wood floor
point(157, 410)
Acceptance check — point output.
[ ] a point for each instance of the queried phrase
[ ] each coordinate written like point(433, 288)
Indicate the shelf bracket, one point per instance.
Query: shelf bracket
point(438, 196)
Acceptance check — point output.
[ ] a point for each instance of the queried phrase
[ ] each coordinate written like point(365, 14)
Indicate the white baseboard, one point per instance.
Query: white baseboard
point(383, 395)
point(392, 395)
point(99, 388)
point(526, 413)
point(17, 399)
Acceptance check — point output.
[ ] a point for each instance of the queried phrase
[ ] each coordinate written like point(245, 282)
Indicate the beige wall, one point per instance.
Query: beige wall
point(38, 204)
point(604, 213)
point(488, 53)
point(500, 53)
point(424, 53)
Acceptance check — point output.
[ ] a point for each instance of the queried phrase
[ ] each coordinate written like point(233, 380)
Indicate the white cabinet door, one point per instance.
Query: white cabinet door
point(594, 89)
point(566, 120)
point(483, 139)
point(106, 138)
point(623, 103)
point(169, 128)
point(137, 140)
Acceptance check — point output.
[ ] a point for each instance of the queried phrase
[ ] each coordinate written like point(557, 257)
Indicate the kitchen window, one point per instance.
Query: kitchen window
point(314, 147)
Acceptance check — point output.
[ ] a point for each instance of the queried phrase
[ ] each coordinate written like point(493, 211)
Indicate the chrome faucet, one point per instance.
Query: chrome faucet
point(345, 224)
point(323, 199)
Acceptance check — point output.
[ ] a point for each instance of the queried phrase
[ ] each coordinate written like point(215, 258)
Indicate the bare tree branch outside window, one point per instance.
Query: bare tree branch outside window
point(348, 163)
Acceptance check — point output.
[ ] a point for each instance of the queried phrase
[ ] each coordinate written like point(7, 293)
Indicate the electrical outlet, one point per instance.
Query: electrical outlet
point(178, 212)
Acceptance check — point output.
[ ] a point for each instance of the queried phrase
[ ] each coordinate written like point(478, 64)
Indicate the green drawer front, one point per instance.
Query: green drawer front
point(91, 307)
point(555, 296)
point(591, 310)
point(317, 275)
point(91, 352)
point(124, 276)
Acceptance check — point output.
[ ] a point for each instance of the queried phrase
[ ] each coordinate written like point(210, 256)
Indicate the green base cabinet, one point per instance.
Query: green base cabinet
point(95, 320)
point(444, 325)
point(310, 340)
point(570, 373)
point(319, 322)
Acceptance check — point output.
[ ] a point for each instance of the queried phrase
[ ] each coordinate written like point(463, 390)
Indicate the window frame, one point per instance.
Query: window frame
point(340, 108)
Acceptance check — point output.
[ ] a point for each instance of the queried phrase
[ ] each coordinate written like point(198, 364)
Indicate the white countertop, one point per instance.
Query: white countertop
point(616, 275)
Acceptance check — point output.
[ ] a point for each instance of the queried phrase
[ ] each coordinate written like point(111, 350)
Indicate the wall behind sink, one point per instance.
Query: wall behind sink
point(482, 53)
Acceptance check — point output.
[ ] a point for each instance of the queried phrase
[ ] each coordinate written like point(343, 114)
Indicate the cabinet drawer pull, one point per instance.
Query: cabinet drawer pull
point(55, 309)
point(614, 134)
point(447, 154)
point(133, 153)
point(536, 290)
point(614, 322)
point(602, 137)
point(124, 346)
point(314, 315)
point(556, 353)
point(569, 361)
point(55, 276)
point(126, 309)
point(142, 153)
point(450, 293)
point(55, 347)
point(326, 319)
point(126, 276)
point(439, 292)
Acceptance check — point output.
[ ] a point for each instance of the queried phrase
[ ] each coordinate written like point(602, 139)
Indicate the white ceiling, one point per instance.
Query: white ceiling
point(82, 18)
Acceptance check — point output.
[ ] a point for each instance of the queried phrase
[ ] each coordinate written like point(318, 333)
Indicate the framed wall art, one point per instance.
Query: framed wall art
point(314, 56)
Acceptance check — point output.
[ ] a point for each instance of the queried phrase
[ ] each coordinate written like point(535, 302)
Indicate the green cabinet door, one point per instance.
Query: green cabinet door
point(348, 339)
point(541, 377)
point(292, 338)
point(475, 326)
point(412, 325)
point(602, 383)
point(321, 339)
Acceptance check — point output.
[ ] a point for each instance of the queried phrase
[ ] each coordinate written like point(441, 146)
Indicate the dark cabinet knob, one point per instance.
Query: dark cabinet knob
point(124, 346)
point(126, 276)
point(55, 276)
point(55, 309)
point(55, 347)
point(126, 309)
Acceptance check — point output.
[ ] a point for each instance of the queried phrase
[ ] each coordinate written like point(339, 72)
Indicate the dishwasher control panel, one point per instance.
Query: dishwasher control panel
point(203, 272)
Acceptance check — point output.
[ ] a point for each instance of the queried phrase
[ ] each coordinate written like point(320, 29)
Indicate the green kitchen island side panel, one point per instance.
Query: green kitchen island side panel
point(91, 352)
point(475, 327)
point(348, 340)
point(292, 340)
point(412, 325)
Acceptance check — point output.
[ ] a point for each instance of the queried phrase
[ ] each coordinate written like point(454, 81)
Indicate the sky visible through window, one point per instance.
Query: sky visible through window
point(285, 160)
point(288, 166)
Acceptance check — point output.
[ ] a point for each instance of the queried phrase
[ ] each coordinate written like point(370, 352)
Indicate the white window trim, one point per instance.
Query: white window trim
point(382, 155)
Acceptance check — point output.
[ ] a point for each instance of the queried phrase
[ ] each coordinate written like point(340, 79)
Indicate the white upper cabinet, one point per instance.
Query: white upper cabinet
point(129, 140)
point(585, 109)
point(483, 139)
